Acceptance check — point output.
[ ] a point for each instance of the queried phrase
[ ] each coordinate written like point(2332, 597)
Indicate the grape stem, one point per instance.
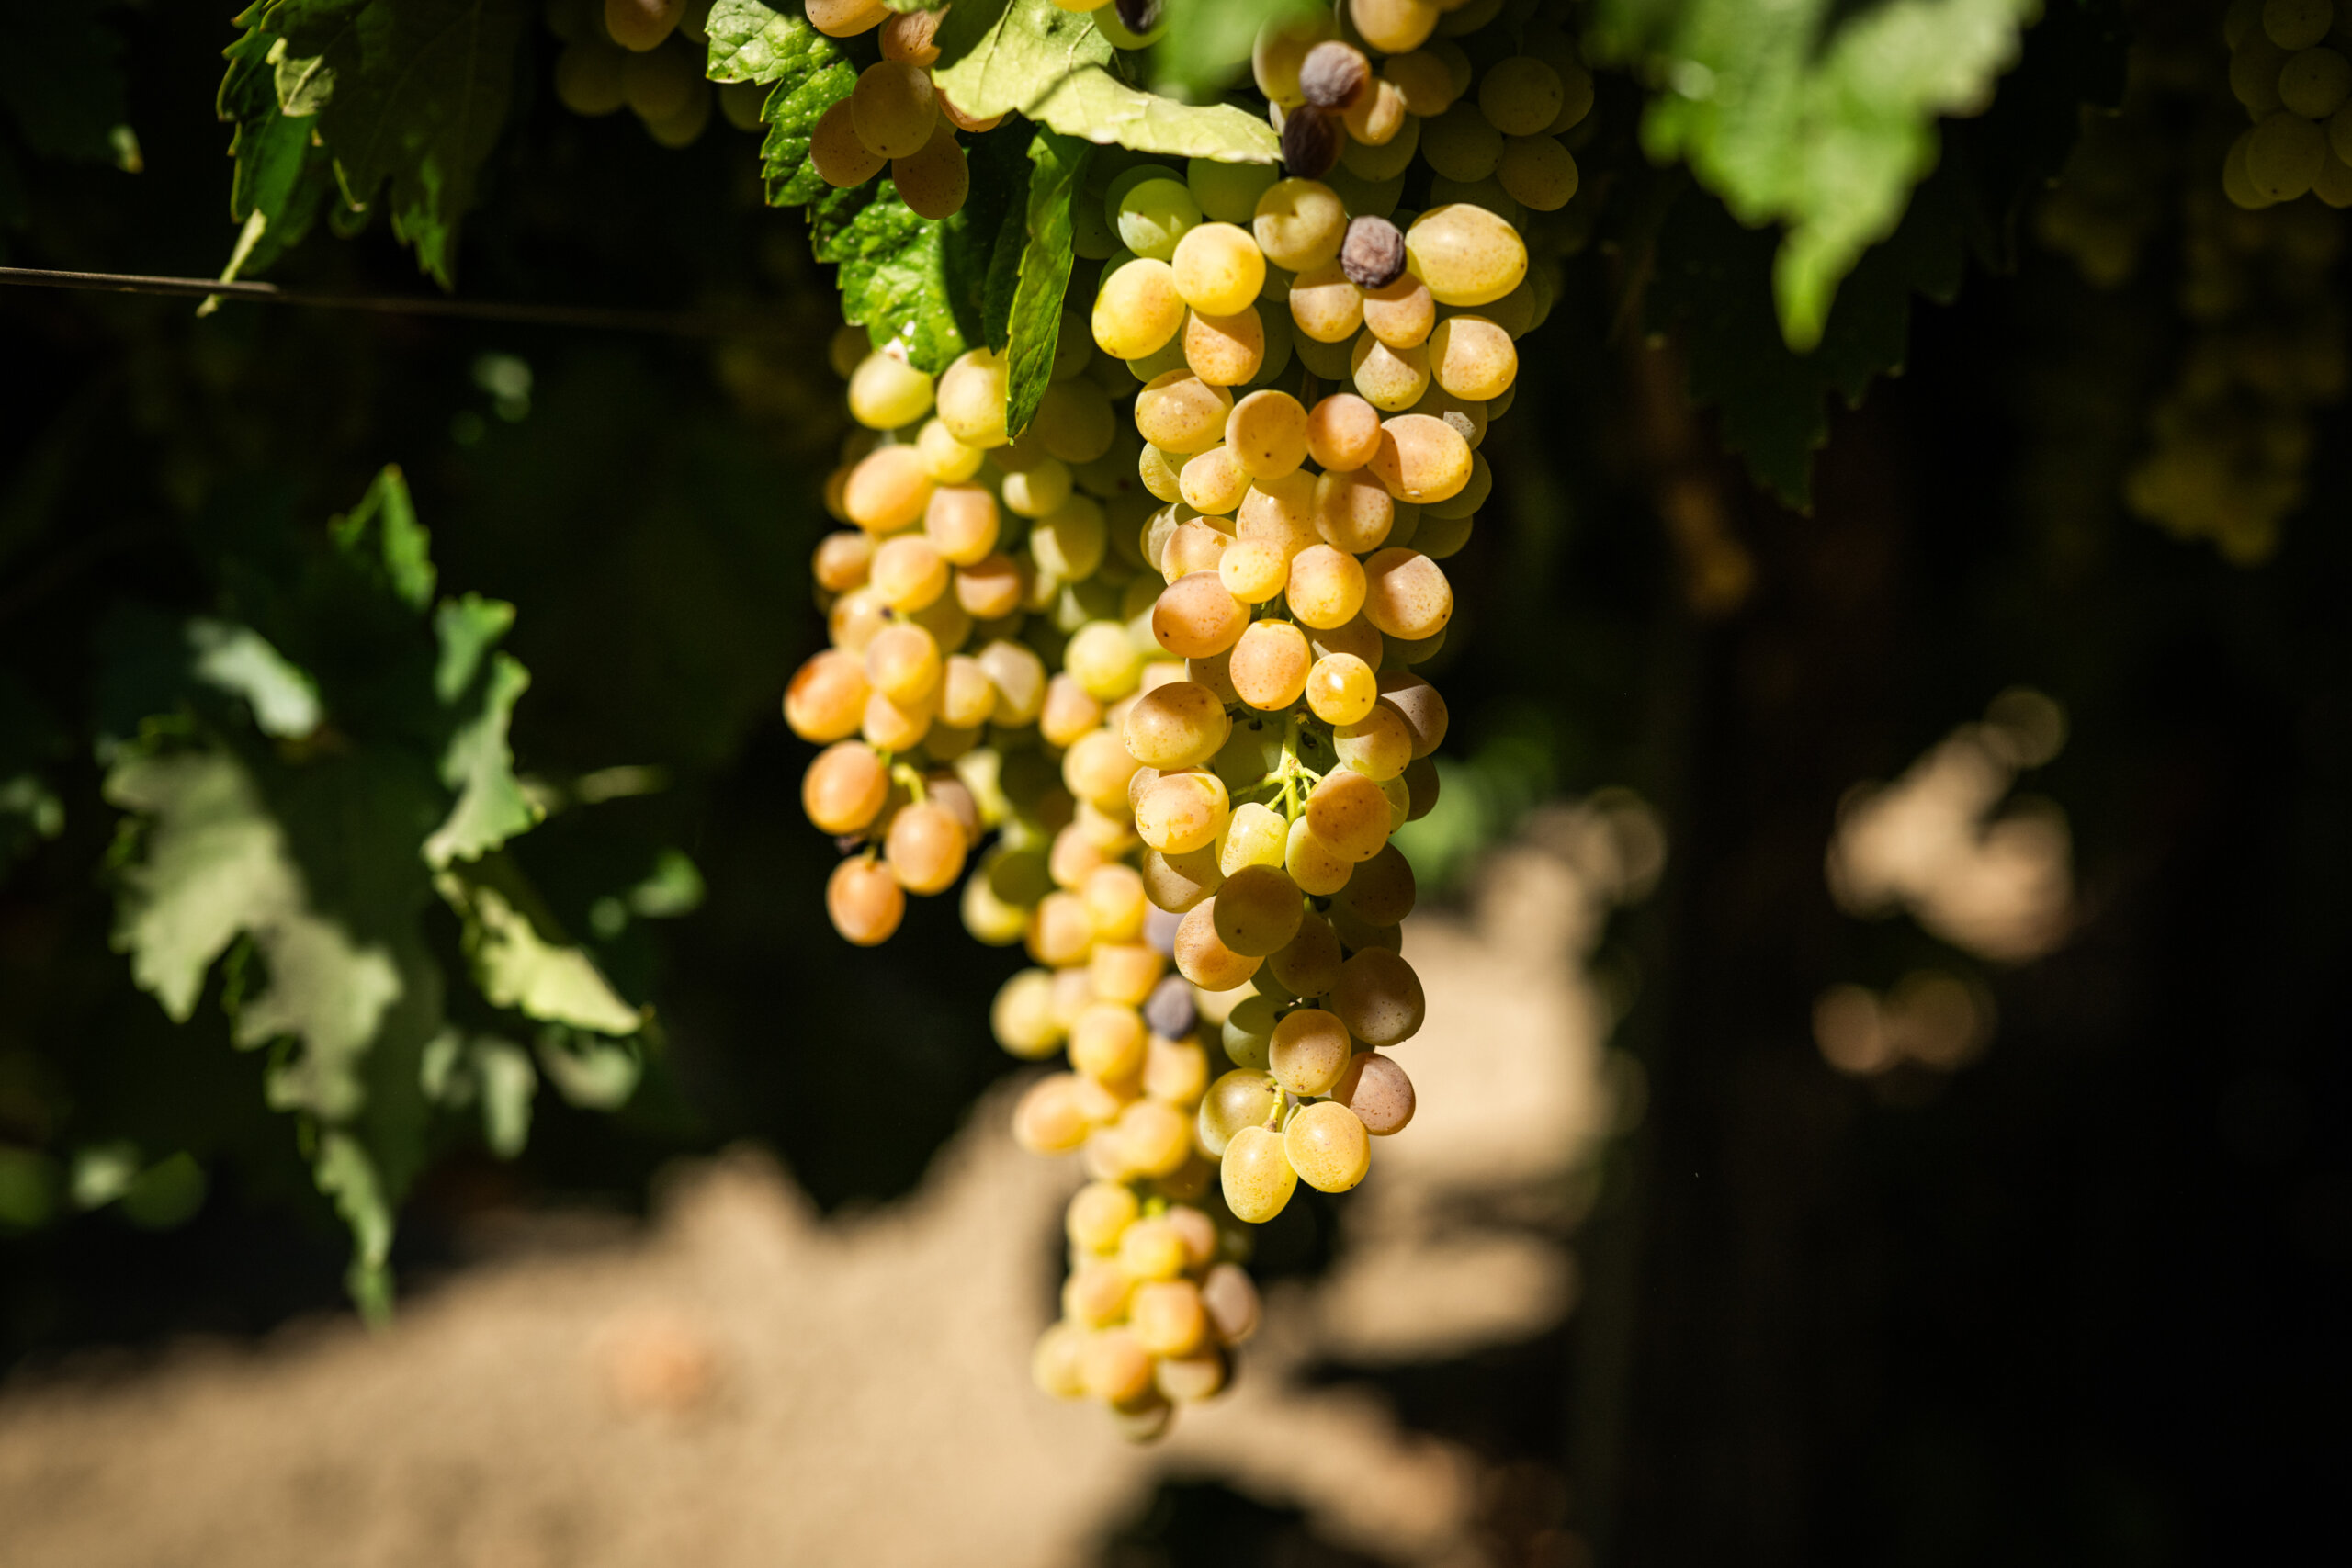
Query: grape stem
point(907, 775)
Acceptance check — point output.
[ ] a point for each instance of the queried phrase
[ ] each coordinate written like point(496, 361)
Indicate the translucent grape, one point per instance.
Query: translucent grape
point(865, 902)
point(1374, 120)
point(1327, 1147)
point(846, 18)
point(1406, 595)
point(1257, 910)
point(1070, 542)
point(888, 489)
point(1037, 490)
point(1348, 812)
point(1167, 1318)
point(1267, 433)
point(1299, 224)
point(911, 36)
point(1392, 379)
point(2284, 155)
point(1393, 27)
point(893, 108)
point(1466, 255)
point(1155, 215)
point(1280, 512)
point(1472, 358)
point(1256, 1176)
point(1519, 95)
point(945, 458)
point(1219, 268)
point(991, 587)
point(925, 847)
point(1196, 617)
point(1154, 1138)
point(844, 787)
point(971, 398)
point(1181, 812)
point(1197, 546)
point(1538, 172)
point(1098, 1212)
point(855, 619)
point(967, 698)
point(1342, 432)
point(1308, 965)
point(1247, 1030)
point(1049, 1119)
point(886, 393)
point(1225, 351)
point(1309, 1051)
point(1181, 412)
point(1327, 586)
point(1325, 305)
point(1352, 511)
point(1181, 725)
point(1202, 956)
point(903, 663)
point(961, 523)
point(1177, 882)
point(1175, 1072)
point(1068, 712)
point(1460, 144)
point(1400, 313)
point(1421, 458)
point(1097, 768)
point(1253, 572)
point(907, 572)
point(934, 180)
point(1316, 866)
point(1341, 689)
point(826, 700)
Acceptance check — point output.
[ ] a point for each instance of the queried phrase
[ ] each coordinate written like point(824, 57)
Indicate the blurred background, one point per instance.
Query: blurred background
point(1884, 1097)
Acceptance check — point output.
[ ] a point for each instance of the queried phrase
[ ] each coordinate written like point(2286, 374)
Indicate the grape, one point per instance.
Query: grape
point(839, 157)
point(641, 25)
point(945, 458)
point(1379, 997)
point(1267, 433)
point(1519, 95)
point(1181, 725)
point(1327, 586)
point(2284, 155)
point(1231, 1303)
point(1400, 313)
point(934, 180)
point(1096, 769)
point(1253, 572)
point(961, 523)
point(1188, 1379)
point(1319, 868)
point(1310, 1050)
point(1466, 255)
point(1537, 172)
point(903, 663)
point(1175, 1072)
point(1353, 511)
point(1075, 422)
point(1310, 963)
point(1270, 665)
point(1069, 544)
point(1203, 957)
point(1327, 1147)
point(1325, 361)
point(1468, 417)
point(1386, 160)
point(1256, 1176)
point(1225, 351)
point(844, 787)
point(1219, 268)
point(1048, 1119)
point(1177, 882)
point(1181, 412)
point(1228, 191)
point(1021, 1016)
point(1389, 379)
point(1342, 432)
point(826, 700)
point(2293, 24)
point(1281, 50)
point(925, 847)
point(1154, 1139)
point(1069, 711)
point(1423, 459)
point(1255, 912)
point(1197, 547)
point(1103, 660)
point(1393, 27)
point(865, 902)
point(1074, 857)
point(971, 398)
point(2314, 82)
point(588, 78)
point(1114, 902)
point(991, 587)
point(1418, 704)
point(1114, 1368)
point(1196, 617)
point(1154, 215)
point(897, 727)
point(908, 573)
point(1098, 1212)
point(1038, 490)
point(893, 108)
point(846, 18)
point(1299, 224)
point(1349, 814)
point(1324, 304)
point(1152, 1249)
point(1472, 358)
point(1376, 1089)
point(1248, 1031)
point(1378, 745)
point(1179, 813)
point(855, 619)
point(1460, 144)
point(1406, 596)
point(1375, 120)
point(1166, 1317)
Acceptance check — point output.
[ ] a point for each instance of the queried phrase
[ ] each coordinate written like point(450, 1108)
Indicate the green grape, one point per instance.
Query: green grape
point(1155, 215)
point(1255, 912)
point(2284, 155)
point(1299, 224)
point(1520, 96)
point(1139, 309)
point(1327, 1147)
point(1309, 1051)
point(886, 393)
point(1075, 421)
point(934, 180)
point(2314, 82)
point(1309, 965)
point(1243, 1098)
point(1180, 723)
point(1325, 361)
point(1379, 997)
point(1392, 379)
point(2297, 24)
point(1256, 1176)
point(1327, 587)
point(1461, 144)
point(1538, 172)
point(1228, 193)
point(1115, 189)
point(588, 77)
point(1467, 256)
point(893, 108)
point(661, 83)
point(1219, 270)
point(1487, 193)
point(1349, 814)
point(1037, 490)
point(1213, 482)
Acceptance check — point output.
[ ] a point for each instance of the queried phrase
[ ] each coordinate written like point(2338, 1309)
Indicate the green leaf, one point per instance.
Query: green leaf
point(1813, 115)
point(520, 961)
point(281, 176)
point(1093, 104)
point(750, 42)
point(999, 56)
point(900, 277)
point(409, 93)
point(1206, 47)
point(1035, 316)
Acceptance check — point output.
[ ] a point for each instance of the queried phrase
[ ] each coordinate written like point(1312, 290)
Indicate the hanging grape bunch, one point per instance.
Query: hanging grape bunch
point(1161, 642)
point(2289, 67)
point(645, 56)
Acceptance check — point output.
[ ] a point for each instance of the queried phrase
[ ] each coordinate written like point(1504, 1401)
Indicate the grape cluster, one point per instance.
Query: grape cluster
point(1162, 646)
point(2289, 67)
point(896, 114)
point(645, 56)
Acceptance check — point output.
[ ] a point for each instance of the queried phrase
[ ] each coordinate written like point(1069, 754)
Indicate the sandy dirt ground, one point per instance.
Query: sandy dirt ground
point(739, 1381)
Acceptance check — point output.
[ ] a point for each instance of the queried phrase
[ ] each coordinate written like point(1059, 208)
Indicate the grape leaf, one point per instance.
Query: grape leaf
point(1033, 317)
point(997, 56)
point(1206, 47)
point(920, 283)
point(1093, 104)
point(409, 93)
point(281, 176)
point(1814, 114)
point(751, 42)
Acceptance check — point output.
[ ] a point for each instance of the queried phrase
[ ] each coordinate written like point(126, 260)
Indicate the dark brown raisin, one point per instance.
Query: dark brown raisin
point(1334, 75)
point(1373, 256)
point(1311, 140)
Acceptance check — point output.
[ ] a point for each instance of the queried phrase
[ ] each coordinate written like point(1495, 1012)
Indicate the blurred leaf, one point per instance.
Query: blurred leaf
point(1035, 318)
point(1206, 47)
point(1095, 103)
point(1813, 116)
point(592, 1073)
point(408, 93)
point(479, 764)
point(998, 56)
point(521, 961)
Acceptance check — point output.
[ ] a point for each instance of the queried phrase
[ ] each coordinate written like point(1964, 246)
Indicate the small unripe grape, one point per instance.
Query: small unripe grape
point(1256, 1176)
point(1538, 172)
point(1327, 1147)
point(1070, 541)
point(1310, 963)
point(1228, 193)
point(865, 902)
point(2314, 82)
point(1343, 432)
